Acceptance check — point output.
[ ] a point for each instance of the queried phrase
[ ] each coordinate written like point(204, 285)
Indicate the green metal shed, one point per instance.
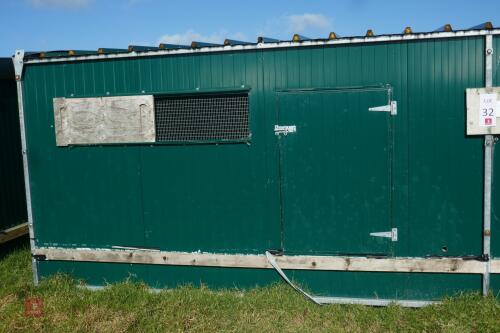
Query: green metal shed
point(342, 163)
point(13, 219)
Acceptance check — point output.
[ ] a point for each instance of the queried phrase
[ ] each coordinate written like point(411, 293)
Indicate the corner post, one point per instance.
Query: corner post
point(18, 61)
point(489, 143)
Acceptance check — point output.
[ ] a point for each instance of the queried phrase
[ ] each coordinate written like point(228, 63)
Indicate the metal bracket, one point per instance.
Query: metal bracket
point(392, 108)
point(284, 129)
point(39, 257)
point(490, 140)
point(18, 60)
point(393, 234)
point(488, 70)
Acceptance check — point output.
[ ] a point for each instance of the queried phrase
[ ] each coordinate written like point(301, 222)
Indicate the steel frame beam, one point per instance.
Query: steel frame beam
point(18, 61)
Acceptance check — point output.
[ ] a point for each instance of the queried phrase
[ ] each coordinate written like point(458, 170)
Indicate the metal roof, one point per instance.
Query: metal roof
point(445, 31)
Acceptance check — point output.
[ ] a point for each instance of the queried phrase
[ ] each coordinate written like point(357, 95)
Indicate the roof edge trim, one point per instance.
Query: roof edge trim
point(277, 45)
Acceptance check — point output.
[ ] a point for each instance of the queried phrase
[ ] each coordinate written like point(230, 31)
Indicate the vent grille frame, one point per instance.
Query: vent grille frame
point(217, 117)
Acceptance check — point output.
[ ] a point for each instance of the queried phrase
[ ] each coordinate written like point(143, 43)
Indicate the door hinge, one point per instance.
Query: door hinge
point(284, 129)
point(393, 234)
point(392, 108)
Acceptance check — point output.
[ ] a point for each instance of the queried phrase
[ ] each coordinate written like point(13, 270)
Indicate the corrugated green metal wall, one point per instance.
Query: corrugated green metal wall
point(225, 198)
point(432, 164)
point(185, 198)
point(12, 195)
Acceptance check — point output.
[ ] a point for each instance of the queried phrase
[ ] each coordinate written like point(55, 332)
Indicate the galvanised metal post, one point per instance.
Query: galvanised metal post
point(489, 143)
point(18, 61)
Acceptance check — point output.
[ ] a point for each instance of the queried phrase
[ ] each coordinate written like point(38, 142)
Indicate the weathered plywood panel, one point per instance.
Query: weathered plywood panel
point(124, 119)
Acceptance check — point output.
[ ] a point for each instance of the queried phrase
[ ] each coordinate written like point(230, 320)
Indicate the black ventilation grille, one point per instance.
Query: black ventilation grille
point(202, 118)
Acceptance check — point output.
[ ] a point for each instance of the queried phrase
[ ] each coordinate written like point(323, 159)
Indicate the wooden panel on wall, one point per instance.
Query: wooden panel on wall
point(124, 119)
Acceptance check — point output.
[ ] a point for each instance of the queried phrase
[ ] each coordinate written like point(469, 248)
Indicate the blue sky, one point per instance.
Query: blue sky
point(41, 25)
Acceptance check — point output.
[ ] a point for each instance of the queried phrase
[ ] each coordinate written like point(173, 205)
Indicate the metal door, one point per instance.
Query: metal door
point(335, 160)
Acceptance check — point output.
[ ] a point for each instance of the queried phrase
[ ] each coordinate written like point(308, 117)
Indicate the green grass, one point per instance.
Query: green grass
point(130, 307)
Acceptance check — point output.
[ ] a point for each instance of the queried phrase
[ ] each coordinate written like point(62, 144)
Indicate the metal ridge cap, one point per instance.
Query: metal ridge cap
point(276, 45)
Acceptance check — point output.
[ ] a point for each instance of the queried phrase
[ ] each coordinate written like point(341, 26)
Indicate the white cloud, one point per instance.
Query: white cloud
point(307, 21)
point(59, 3)
point(310, 24)
point(185, 38)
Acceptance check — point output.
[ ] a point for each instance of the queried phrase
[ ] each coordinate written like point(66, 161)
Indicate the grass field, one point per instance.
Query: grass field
point(129, 307)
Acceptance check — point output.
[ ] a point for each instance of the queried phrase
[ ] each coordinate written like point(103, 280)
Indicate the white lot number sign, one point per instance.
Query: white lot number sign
point(488, 110)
